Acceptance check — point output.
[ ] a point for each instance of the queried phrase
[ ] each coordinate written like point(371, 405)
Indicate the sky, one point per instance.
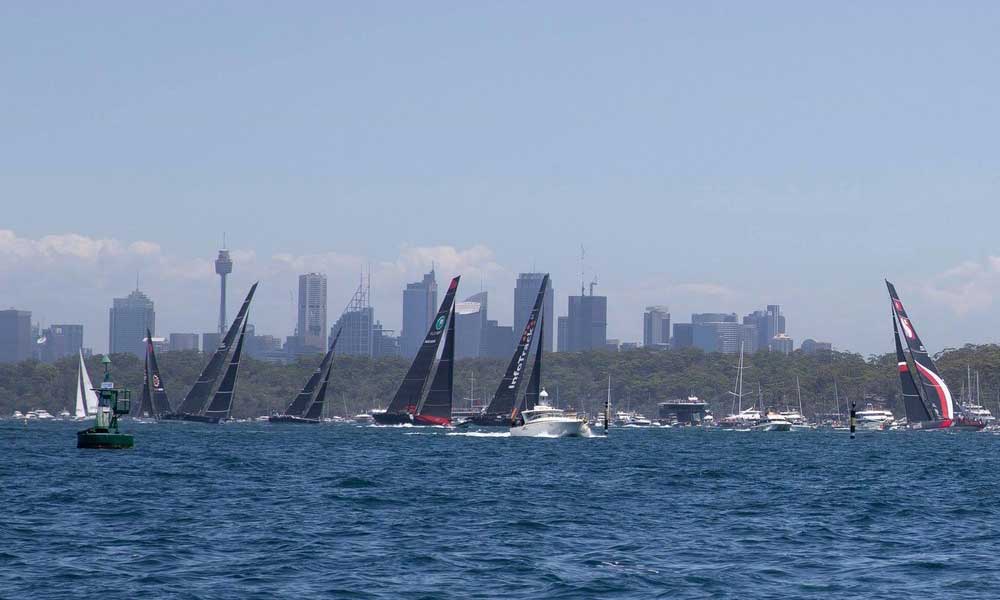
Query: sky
point(709, 156)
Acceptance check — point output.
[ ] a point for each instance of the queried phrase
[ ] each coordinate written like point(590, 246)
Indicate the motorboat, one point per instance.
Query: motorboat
point(873, 419)
point(364, 418)
point(744, 419)
point(772, 421)
point(545, 421)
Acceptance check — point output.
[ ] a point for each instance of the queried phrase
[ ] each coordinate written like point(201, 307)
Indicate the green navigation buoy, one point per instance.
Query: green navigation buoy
point(112, 402)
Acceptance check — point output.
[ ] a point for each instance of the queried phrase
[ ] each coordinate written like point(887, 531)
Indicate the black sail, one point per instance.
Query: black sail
point(914, 405)
point(197, 397)
point(144, 408)
point(300, 403)
point(222, 403)
point(411, 389)
point(936, 393)
point(534, 382)
point(436, 409)
point(316, 408)
point(160, 402)
point(502, 404)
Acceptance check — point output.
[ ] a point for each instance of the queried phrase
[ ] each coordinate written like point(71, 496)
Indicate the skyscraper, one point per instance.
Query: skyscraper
point(419, 308)
point(525, 292)
point(60, 341)
point(311, 328)
point(357, 323)
point(587, 323)
point(770, 324)
point(470, 326)
point(656, 327)
point(16, 341)
point(129, 318)
point(223, 266)
point(562, 344)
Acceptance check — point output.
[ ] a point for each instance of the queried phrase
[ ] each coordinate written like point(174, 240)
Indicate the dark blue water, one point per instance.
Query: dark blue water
point(260, 511)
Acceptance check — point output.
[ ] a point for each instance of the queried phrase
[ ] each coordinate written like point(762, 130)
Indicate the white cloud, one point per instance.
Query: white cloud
point(966, 288)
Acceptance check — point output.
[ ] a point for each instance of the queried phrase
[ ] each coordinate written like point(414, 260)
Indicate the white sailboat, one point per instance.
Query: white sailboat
point(86, 397)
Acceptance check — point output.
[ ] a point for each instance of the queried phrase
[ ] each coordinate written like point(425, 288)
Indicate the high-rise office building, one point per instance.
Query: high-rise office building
point(782, 343)
point(811, 346)
point(723, 336)
point(770, 323)
point(60, 341)
point(656, 327)
point(470, 326)
point(183, 341)
point(587, 323)
point(16, 341)
point(562, 342)
point(525, 292)
point(357, 331)
point(384, 343)
point(500, 340)
point(223, 267)
point(129, 318)
point(210, 341)
point(311, 329)
point(683, 336)
point(419, 308)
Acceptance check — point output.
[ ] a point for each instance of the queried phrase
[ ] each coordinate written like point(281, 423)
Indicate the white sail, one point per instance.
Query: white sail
point(80, 411)
point(89, 395)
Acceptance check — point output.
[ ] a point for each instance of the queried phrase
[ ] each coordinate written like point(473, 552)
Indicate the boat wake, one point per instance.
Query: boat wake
point(485, 434)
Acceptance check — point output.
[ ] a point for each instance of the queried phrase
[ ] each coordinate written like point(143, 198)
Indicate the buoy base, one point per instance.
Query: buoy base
point(103, 439)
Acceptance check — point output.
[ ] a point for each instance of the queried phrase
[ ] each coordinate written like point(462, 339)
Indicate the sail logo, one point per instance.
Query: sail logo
point(439, 324)
point(898, 305)
point(526, 343)
point(907, 328)
point(156, 381)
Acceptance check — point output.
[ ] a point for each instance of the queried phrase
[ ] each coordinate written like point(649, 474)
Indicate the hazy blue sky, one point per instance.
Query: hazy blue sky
point(710, 156)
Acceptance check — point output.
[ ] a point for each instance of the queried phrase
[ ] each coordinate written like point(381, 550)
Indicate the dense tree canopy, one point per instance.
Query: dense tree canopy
point(640, 379)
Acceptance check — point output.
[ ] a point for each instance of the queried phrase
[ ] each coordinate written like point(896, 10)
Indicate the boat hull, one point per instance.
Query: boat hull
point(384, 418)
point(552, 428)
point(431, 421)
point(103, 439)
point(482, 420)
point(190, 418)
point(291, 419)
point(773, 427)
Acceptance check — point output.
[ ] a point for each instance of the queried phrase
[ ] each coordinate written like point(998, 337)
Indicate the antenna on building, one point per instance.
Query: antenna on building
point(583, 255)
point(593, 284)
point(137, 280)
point(224, 241)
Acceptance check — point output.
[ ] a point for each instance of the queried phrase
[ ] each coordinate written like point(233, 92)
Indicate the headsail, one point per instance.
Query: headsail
point(504, 398)
point(197, 397)
point(411, 389)
point(89, 395)
point(80, 410)
point(144, 407)
point(436, 408)
point(222, 403)
point(535, 381)
point(912, 402)
point(316, 408)
point(300, 403)
point(937, 394)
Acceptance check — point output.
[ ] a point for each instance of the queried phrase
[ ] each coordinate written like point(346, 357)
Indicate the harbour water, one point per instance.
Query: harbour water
point(270, 511)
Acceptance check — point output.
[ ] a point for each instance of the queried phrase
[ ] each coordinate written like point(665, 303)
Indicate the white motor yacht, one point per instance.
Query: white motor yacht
point(772, 421)
point(364, 418)
point(546, 421)
point(745, 419)
point(873, 419)
point(17, 415)
point(797, 421)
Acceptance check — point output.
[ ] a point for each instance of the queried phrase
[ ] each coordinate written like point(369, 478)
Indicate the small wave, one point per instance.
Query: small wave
point(356, 483)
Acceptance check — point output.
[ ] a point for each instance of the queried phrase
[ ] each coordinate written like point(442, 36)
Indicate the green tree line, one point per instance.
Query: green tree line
point(639, 379)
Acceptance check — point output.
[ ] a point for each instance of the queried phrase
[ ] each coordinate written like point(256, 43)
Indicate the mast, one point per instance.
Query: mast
point(503, 402)
point(798, 392)
point(607, 407)
point(316, 408)
point(222, 403)
point(411, 389)
point(198, 395)
point(737, 392)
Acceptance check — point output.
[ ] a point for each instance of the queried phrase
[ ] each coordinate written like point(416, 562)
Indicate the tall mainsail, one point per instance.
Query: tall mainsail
point(436, 408)
point(80, 410)
point(535, 381)
point(90, 399)
point(222, 403)
point(411, 389)
point(160, 404)
point(935, 391)
point(502, 404)
point(197, 397)
point(144, 407)
point(316, 408)
point(914, 405)
point(300, 403)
